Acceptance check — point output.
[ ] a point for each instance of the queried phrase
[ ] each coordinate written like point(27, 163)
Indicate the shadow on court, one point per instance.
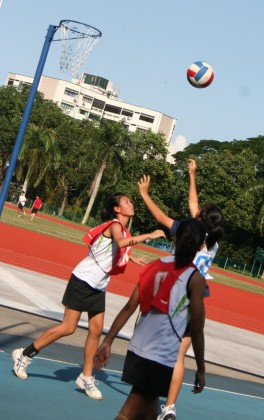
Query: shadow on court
point(50, 392)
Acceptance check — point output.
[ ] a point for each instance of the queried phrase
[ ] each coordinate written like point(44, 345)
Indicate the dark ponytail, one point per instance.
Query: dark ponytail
point(190, 236)
point(213, 220)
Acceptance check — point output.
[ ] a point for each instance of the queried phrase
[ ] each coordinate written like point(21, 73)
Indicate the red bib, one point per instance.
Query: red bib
point(155, 284)
point(122, 256)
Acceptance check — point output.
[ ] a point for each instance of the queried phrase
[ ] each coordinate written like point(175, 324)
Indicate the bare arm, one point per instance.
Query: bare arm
point(161, 217)
point(116, 233)
point(101, 357)
point(193, 197)
point(196, 290)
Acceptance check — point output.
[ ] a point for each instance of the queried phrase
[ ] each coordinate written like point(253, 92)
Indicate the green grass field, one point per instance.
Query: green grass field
point(73, 232)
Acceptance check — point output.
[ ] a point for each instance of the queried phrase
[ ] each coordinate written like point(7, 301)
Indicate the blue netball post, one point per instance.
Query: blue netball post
point(85, 37)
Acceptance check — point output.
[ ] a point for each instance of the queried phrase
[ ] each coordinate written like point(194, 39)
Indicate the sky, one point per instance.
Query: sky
point(145, 50)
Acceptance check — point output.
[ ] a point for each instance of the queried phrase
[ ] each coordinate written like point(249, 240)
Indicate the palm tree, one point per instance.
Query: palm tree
point(36, 155)
point(112, 141)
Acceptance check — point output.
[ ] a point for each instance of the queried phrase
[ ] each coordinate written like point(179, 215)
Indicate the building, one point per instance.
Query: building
point(94, 97)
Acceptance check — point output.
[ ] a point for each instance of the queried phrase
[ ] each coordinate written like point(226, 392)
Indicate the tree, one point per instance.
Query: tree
point(223, 178)
point(74, 155)
point(36, 155)
point(258, 191)
point(112, 139)
point(12, 102)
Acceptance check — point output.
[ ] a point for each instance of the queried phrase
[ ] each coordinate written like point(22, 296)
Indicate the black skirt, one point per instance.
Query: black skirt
point(147, 375)
point(81, 297)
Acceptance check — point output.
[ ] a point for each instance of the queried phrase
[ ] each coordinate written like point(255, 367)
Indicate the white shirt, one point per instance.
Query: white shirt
point(95, 267)
point(22, 199)
point(204, 258)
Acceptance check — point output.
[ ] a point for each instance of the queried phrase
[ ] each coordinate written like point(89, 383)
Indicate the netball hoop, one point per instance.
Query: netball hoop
point(77, 41)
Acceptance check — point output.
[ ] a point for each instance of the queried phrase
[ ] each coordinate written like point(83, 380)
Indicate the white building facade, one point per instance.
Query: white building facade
point(94, 97)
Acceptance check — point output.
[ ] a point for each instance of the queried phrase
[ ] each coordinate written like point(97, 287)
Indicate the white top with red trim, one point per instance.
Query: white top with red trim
point(95, 268)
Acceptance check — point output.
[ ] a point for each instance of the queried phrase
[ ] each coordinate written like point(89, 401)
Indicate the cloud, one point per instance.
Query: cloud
point(175, 146)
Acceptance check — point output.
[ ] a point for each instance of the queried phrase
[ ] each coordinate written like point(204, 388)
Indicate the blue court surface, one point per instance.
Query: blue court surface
point(50, 393)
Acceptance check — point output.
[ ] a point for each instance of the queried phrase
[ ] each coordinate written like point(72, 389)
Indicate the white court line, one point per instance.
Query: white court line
point(227, 392)
point(120, 372)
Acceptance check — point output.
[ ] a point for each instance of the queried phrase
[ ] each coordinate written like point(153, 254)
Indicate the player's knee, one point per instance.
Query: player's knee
point(96, 331)
point(68, 329)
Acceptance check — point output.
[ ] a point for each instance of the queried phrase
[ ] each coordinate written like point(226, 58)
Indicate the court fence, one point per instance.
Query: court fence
point(253, 270)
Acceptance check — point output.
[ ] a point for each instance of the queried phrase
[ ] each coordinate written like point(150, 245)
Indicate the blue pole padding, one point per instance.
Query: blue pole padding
point(20, 135)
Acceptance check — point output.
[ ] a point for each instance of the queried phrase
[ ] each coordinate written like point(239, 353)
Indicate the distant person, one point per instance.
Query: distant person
point(36, 207)
point(21, 203)
point(212, 218)
point(170, 293)
point(109, 252)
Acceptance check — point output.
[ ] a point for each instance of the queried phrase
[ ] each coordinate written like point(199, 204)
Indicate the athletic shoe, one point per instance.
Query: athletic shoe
point(21, 363)
point(88, 384)
point(167, 413)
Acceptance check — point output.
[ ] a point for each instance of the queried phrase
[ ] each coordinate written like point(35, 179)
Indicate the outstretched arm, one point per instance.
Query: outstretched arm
point(161, 217)
point(116, 233)
point(101, 357)
point(193, 197)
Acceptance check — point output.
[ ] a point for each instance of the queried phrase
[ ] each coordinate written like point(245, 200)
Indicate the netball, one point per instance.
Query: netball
point(200, 74)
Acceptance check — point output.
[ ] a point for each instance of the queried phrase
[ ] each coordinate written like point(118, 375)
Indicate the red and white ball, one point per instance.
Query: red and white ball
point(200, 74)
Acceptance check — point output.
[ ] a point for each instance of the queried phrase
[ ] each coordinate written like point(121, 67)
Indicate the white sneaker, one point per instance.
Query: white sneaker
point(88, 383)
point(21, 363)
point(167, 413)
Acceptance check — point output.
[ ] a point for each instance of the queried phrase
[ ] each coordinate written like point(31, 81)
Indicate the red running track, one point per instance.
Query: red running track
point(57, 258)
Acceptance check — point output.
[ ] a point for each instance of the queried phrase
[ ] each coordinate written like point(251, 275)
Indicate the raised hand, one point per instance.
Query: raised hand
point(143, 184)
point(192, 167)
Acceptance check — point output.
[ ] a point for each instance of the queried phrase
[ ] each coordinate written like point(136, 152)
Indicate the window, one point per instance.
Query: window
point(113, 109)
point(70, 92)
point(127, 113)
point(87, 99)
point(147, 118)
point(141, 130)
point(67, 107)
point(10, 81)
point(83, 112)
point(98, 104)
point(89, 79)
point(94, 116)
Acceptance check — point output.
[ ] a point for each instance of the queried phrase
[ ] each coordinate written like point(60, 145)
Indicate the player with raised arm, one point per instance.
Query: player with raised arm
point(212, 218)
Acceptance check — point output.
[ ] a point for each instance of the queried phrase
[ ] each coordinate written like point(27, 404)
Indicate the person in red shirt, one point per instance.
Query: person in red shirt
point(36, 207)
